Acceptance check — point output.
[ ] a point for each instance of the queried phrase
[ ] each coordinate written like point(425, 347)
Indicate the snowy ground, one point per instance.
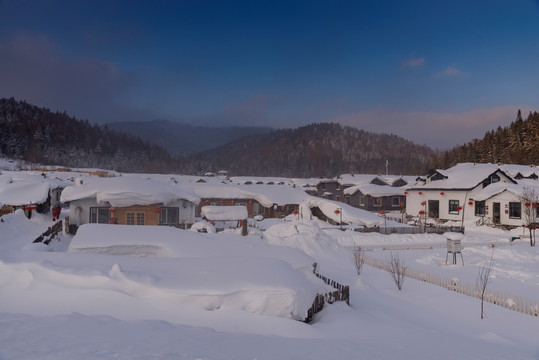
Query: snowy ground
point(116, 292)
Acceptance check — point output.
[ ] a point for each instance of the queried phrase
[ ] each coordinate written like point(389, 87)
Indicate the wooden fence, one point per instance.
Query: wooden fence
point(341, 294)
point(429, 246)
point(50, 234)
point(411, 229)
point(515, 303)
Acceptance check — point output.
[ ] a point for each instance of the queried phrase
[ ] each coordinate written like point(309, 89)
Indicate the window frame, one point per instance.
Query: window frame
point(94, 215)
point(515, 207)
point(453, 206)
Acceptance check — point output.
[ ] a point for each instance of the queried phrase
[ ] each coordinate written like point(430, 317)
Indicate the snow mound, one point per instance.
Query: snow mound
point(310, 238)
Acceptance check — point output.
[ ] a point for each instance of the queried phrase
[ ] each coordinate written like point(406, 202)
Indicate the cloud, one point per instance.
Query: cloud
point(441, 130)
point(414, 62)
point(35, 69)
point(451, 71)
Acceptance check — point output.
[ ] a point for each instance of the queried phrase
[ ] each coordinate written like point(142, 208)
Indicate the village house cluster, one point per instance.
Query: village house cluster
point(490, 194)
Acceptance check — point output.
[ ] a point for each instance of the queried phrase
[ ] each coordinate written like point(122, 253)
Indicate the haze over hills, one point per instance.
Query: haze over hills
point(317, 150)
point(183, 139)
point(39, 135)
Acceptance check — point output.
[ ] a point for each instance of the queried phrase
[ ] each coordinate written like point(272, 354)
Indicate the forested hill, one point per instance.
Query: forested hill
point(39, 135)
point(325, 149)
point(516, 144)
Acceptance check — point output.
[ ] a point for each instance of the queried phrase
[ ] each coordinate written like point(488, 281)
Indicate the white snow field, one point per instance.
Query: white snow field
point(134, 292)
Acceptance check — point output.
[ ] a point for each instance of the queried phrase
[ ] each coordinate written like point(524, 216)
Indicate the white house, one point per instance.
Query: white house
point(450, 194)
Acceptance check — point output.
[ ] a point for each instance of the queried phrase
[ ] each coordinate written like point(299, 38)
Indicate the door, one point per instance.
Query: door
point(434, 209)
point(496, 213)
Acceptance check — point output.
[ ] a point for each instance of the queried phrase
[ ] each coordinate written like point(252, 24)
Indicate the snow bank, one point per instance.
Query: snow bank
point(204, 270)
point(309, 237)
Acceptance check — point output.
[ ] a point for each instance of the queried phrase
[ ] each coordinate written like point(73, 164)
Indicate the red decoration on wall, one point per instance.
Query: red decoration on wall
point(459, 208)
point(382, 212)
point(30, 207)
point(420, 193)
point(442, 193)
point(536, 206)
point(527, 204)
point(401, 204)
point(295, 212)
point(337, 212)
point(158, 211)
point(421, 212)
point(424, 203)
point(406, 193)
point(470, 203)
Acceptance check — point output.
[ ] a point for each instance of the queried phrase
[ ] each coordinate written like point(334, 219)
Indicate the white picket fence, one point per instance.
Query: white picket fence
point(427, 246)
point(515, 303)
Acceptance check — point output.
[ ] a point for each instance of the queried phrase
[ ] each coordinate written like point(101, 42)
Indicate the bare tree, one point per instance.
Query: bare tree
point(396, 268)
point(359, 258)
point(483, 278)
point(530, 199)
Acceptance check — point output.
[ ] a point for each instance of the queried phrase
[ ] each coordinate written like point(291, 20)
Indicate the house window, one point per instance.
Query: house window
point(515, 210)
point(495, 178)
point(133, 218)
point(258, 209)
point(240, 204)
point(337, 198)
point(169, 216)
point(362, 201)
point(395, 201)
point(453, 206)
point(377, 201)
point(347, 200)
point(99, 215)
point(479, 208)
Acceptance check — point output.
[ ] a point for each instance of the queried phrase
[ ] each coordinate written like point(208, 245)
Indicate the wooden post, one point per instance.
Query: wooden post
point(244, 230)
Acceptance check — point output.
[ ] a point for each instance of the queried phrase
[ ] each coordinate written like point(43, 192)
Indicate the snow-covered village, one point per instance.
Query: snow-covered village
point(223, 267)
point(269, 180)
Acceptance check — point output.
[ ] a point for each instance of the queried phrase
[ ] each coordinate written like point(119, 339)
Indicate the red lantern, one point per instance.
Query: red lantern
point(220, 203)
point(424, 203)
point(421, 212)
point(401, 204)
point(470, 203)
point(378, 200)
point(536, 206)
point(295, 212)
point(250, 202)
point(382, 212)
point(459, 208)
point(30, 207)
point(442, 193)
point(420, 193)
point(337, 212)
point(212, 222)
point(527, 204)
point(406, 193)
point(387, 197)
point(158, 211)
point(112, 209)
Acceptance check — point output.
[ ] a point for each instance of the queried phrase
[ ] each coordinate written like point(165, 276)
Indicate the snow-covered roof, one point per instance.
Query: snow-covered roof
point(375, 190)
point(359, 179)
point(461, 176)
point(524, 170)
point(347, 213)
point(239, 180)
point(128, 191)
point(499, 187)
point(22, 193)
point(267, 195)
point(224, 212)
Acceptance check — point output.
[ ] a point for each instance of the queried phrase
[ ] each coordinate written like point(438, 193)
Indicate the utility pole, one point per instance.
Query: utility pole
point(387, 167)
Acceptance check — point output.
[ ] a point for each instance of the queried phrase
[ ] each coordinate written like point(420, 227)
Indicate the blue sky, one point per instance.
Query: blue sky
point(436, 72)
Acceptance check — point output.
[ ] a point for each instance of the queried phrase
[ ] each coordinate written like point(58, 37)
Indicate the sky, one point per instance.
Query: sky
point(438, 73)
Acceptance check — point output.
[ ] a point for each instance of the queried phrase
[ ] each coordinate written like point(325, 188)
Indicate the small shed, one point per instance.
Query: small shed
point(226, 213)
point(454, 246)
